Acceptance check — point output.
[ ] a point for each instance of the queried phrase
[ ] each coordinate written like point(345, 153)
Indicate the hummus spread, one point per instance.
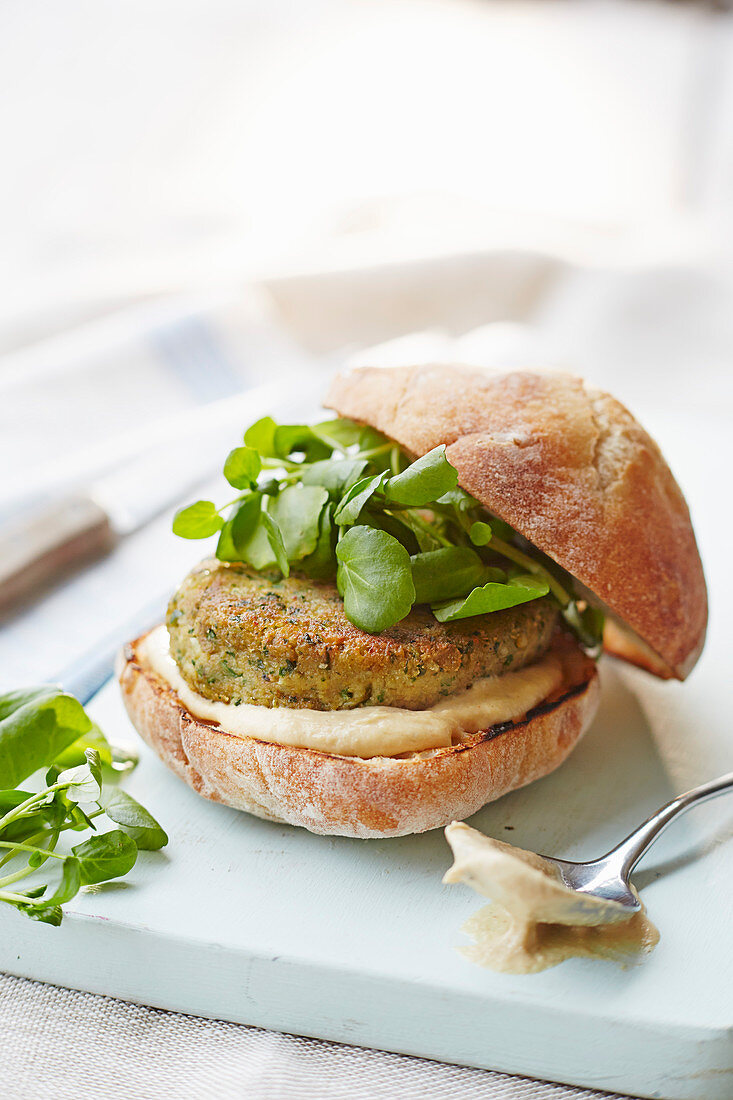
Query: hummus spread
point(536, 921)
point(367, 731)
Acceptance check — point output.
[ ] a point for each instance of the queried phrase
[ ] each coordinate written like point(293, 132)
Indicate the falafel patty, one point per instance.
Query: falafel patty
point(241, 636)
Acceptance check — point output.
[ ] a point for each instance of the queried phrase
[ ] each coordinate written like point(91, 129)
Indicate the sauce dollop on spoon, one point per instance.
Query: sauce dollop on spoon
point(536, 921)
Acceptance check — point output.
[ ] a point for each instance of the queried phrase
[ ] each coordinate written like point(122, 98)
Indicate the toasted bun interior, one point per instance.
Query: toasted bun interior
point(349, 796)
point(570, 469)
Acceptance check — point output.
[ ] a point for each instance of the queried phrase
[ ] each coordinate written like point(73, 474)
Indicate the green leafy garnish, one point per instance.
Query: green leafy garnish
point(337, 475)
point(107, 856)
point(446, 573)
point(356, 498)
point(296, 512)
point(37, 726)
point(198, 521)
point(339, 500)
point(134, 820)
point(242, 467)
point(365, 558)
point(424, 481)
point(492, 597)
point(44, 728)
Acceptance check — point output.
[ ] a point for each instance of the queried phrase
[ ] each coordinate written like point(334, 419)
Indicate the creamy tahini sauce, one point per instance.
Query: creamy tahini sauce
point(367, 731)
point(536, 921)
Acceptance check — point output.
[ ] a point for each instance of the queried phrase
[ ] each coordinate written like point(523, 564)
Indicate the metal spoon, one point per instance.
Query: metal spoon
point(607, 878)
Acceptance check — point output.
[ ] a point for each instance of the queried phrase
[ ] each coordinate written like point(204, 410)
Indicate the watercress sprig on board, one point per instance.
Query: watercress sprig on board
point(338, 499)
point(44, 728)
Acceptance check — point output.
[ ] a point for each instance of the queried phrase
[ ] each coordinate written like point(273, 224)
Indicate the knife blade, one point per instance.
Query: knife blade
point(41, 546)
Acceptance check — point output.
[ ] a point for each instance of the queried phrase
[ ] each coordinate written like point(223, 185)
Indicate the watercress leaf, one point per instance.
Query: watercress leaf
point(457, 498)
point(36, 732)
point(446, 573)
point(10, 799)
point(69, 886)
point(297, 512)
point(427, 538)
point(258, 540)
point(106, 856)
point(241, 467)
point(335, 474)
point(53, 916)
point(370, 439)
point(501, 529)
point(275, 539)
point(261, 436)
point(255, 548)
point(480, 533)
point(340, 433)
point(424, 481)
point(394, 526)
point(84, 783)
point(239, 528)
point(493, 573)
point(24, 827)
point(269, 487)
point(40, 816)
point(134, 820)
point(78, 820)
point(531, 583)
point(197, 521)
point(374, 578)
point(54, 772)
point(492, 597)
point(74, 754)
point(246, 518)
point(586, 624)
point(299, 439)
point(351, 505)
point(321, 563)
point(36, 892)
point(225, 548)
point(95, 764)
point(14, 700)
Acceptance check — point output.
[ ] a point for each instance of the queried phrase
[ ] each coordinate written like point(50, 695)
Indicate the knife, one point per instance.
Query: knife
point(41, 546)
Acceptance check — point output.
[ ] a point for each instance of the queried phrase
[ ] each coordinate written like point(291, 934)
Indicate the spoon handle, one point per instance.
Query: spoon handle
point(628, 853)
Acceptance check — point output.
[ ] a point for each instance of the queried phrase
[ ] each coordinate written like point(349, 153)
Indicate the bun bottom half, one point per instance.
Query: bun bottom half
point(350, 796)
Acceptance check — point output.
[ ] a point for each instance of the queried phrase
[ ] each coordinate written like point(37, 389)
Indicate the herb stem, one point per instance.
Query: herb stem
point(413, 519)
point(375, 451)
point(519, 558)
point(34, 839)
point(8, 895)
point(23, 873)
point(281, 464)
point(29, 848)
point(18, 811)
point(394, 460)
point(236, 500)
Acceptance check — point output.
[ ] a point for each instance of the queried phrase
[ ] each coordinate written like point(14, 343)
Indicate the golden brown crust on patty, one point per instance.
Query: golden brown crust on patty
point(242, 636)
point(348, 796)
point(570, 469)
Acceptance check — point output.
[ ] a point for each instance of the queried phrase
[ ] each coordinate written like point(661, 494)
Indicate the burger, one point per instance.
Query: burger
point(403, 613)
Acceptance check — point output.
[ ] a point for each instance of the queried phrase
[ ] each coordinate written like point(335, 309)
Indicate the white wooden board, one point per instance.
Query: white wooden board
point(356, 940)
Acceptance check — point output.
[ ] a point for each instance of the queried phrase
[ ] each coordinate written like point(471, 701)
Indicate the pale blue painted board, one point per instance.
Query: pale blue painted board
point(355, 940)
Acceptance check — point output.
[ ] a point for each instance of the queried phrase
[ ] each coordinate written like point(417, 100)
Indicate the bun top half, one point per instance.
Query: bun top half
point(570, 469)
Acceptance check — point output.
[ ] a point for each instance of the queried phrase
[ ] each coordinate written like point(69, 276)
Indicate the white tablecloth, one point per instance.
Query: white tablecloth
point(70, 1045)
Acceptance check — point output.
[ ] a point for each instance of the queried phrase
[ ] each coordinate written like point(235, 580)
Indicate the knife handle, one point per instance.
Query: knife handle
point(40, 548)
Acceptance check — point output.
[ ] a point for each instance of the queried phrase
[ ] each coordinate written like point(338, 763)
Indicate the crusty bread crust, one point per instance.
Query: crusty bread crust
point(570, 469)
point(348, 796)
